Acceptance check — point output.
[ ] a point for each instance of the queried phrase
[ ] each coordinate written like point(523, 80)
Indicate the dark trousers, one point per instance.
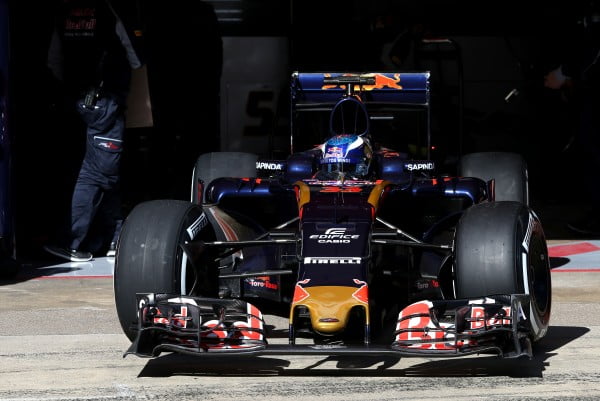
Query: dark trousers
point(96, 192)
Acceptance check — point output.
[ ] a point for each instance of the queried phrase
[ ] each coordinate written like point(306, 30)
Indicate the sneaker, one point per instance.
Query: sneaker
point(72, 255)
point(112, 250)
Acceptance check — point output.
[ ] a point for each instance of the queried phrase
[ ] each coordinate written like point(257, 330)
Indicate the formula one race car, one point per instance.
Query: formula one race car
point(365, 249)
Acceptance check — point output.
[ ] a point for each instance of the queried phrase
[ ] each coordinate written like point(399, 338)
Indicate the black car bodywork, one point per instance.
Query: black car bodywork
point(404, 261)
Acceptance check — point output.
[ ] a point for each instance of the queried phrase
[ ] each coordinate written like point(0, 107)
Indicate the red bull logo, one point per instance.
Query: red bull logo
point(334, 151)
point(382, 81)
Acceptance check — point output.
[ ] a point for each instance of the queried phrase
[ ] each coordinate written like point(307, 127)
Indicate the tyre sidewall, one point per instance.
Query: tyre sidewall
point(149, 257)
point(496, 245)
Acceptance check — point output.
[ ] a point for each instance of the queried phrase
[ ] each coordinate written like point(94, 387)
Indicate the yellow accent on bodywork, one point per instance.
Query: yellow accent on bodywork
point(326, 302)
point(376, 192)
point(303, 194)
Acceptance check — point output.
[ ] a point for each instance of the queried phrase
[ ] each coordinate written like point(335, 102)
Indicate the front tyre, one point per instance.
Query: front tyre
point(150, 257)
point(500, 248)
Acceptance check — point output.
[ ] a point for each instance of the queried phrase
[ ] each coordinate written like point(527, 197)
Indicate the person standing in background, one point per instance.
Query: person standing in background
point(92, 53)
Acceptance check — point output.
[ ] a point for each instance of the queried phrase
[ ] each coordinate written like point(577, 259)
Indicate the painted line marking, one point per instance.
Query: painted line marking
point(65, 277)
point(571, 249)
point(593, 270)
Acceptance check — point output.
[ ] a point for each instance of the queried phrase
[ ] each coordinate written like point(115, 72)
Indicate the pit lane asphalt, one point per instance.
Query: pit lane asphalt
point(60, 340)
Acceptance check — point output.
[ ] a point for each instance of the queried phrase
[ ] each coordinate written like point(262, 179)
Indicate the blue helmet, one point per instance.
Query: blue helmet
point(345, 157)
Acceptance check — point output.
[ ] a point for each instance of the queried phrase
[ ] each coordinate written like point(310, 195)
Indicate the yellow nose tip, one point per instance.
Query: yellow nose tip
point(330, 306)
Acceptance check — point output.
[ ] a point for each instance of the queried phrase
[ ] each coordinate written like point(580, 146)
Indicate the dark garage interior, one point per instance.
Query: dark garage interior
point(487, 63)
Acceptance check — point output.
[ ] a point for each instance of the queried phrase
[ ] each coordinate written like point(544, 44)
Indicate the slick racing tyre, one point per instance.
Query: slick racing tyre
point(500, 248)
point(150, 257)
point(220, 164)
point(508, 170)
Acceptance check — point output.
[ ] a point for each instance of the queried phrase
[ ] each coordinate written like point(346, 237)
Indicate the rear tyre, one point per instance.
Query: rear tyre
point(509, 171)
point(500, 248)
point(220, 164)
point(150, 257)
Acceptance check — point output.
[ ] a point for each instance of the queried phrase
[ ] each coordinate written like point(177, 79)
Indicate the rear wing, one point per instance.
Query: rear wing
point(384, 95)
point(322, 89)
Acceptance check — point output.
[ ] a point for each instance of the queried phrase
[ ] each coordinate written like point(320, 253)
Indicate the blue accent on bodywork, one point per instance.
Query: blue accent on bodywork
point(222, 187)
point(392, 169)
point(301, 166)
point(467, 187)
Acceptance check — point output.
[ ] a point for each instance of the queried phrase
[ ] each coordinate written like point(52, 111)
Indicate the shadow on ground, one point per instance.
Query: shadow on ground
point(558, 336)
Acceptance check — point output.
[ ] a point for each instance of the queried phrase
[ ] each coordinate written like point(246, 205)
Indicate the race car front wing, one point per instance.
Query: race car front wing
point(495, 324)
point(205, 326)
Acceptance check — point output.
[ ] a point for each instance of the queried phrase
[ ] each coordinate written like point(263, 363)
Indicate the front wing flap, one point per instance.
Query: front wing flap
point(196, 325)
point(202, 326)
point(494, 324)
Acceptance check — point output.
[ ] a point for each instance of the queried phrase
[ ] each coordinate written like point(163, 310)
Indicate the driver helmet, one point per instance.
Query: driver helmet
point(345, 157)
